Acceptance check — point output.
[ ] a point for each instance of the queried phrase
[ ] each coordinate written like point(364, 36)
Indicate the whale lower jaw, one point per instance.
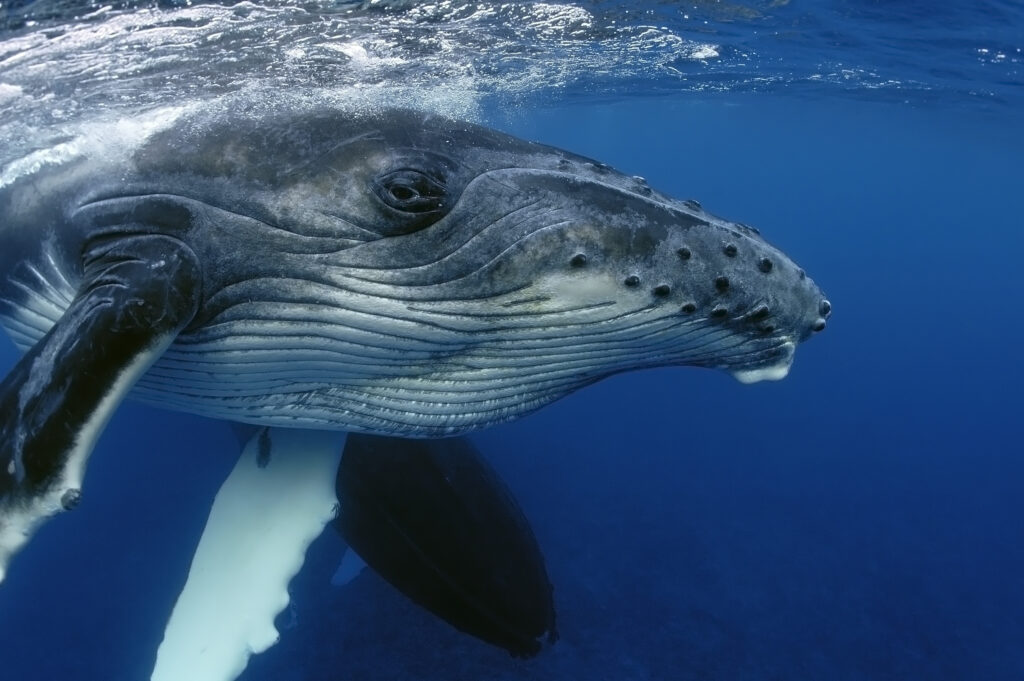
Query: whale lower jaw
point(347, 375)
point(774, 372)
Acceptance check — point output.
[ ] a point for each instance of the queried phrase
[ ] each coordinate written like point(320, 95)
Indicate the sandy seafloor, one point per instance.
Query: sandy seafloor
point(861, 520)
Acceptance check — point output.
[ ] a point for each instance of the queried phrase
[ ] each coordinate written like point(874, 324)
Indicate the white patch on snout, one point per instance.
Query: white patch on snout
point(583, 288)
point(776, 372)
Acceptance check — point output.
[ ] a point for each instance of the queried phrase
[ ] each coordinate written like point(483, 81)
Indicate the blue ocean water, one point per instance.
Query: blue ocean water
point(861, 519)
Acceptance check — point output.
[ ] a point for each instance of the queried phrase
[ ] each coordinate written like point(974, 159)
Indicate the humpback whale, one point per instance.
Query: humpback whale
point(323, 271)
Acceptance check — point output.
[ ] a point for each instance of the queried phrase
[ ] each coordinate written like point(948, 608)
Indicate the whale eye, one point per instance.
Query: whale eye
point(411, 191)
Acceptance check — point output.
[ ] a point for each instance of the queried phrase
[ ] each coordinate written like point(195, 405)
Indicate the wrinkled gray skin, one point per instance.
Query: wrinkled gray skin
point(402, 273)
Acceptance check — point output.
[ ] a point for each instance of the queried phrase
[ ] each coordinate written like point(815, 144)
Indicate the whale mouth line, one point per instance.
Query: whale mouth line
point(772, 372)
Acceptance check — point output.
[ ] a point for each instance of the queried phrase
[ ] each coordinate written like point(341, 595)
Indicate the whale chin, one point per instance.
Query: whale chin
point(772, 372)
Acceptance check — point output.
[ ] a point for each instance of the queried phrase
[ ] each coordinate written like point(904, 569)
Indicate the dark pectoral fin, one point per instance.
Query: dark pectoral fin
point(138, 291)
point(434, 519)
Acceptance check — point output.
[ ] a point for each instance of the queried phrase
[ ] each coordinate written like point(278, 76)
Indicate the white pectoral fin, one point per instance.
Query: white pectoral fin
point(270, 509)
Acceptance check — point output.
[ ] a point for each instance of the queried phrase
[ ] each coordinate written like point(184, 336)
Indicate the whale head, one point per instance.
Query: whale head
point(408, 274)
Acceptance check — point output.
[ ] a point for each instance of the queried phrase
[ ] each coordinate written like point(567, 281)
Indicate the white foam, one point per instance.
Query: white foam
point(96, 140)
point(9, 93)
point(32, 163)
point(255, 541)
point(703, 51)
point(446, 56)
